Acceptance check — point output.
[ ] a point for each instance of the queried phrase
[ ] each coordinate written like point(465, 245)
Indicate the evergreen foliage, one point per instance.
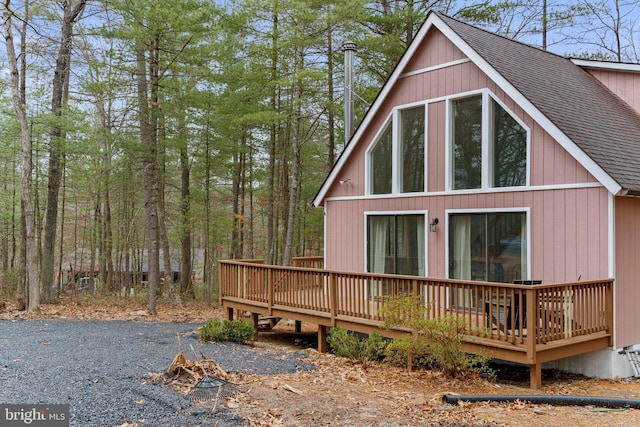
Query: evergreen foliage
point(237, 330)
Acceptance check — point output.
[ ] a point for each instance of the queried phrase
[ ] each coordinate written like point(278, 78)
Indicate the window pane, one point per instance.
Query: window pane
point(381, 164)
point(412, 149)
point(410, 245)
point(396, 244)
point(467, 142)
point(380, 230)
point(489, 247)
point(506, 246)
point(509, 149)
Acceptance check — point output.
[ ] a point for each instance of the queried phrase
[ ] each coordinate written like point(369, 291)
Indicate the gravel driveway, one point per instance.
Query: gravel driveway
point(101, 369)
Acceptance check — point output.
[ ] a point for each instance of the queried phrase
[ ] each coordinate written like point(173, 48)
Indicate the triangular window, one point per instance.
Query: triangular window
point(397, 157)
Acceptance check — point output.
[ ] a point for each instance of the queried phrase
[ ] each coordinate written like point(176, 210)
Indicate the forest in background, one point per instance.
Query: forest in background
point(150, 136)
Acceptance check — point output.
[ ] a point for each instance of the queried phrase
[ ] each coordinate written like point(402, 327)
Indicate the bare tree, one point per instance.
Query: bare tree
point(611, 32)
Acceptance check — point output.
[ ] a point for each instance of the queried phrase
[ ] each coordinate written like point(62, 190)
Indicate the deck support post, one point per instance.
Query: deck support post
point(254, 317)
point(230, 313)
point(535, 375)
point(322, 339)
point(298, 326)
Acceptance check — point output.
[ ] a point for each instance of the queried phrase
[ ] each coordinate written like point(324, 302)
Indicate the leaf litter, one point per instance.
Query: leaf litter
point(340, 392)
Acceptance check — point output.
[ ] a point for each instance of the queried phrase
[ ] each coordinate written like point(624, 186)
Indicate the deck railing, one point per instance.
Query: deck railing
point(512, 313)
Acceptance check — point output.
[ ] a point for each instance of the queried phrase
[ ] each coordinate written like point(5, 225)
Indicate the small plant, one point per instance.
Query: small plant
point(346, 344)
point(434, 343)
point(213, 330)
point(240, 331)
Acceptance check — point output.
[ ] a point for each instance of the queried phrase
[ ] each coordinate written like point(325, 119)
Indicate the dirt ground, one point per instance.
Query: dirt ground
point(342, 393)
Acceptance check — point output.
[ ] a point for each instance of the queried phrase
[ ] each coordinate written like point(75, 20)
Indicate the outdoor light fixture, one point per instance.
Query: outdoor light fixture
point(432, 224)
point(345, 181)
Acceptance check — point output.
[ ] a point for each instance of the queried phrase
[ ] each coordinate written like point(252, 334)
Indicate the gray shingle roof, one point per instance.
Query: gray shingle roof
point(603, 126)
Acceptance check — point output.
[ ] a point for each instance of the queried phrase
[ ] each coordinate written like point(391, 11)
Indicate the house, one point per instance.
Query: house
point(486, 159)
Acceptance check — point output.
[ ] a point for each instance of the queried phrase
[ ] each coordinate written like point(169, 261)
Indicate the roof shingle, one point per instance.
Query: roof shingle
point(603, 126)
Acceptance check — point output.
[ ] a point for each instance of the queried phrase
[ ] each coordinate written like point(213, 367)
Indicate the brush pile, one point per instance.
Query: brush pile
point(184, 373)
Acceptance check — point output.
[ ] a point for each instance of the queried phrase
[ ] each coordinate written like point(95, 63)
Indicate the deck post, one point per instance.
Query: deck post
point(333, 297)
point(270, 290)
point(254, 317)
point(609, 310)
point(230, 313)
point(322, 339)
point(298, 326)
point(535, 375)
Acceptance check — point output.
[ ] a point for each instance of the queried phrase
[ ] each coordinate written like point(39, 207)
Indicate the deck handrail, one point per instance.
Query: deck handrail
point(512, 313)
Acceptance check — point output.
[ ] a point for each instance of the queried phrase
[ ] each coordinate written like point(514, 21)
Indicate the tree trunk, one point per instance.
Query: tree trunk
point(185, 214)
point(270, 246)
point(331, 139)
point(58, 98)
point(32, 284)
point(174, 296)
point(149, 176)
point(295, 172)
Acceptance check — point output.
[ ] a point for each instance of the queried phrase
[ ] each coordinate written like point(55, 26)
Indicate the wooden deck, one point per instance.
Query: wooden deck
point(528, 324)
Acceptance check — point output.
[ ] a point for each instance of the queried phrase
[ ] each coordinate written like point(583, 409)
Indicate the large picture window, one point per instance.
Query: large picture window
point(488, 246)
point(397, 157)
point(488, 145)
point(396, 244)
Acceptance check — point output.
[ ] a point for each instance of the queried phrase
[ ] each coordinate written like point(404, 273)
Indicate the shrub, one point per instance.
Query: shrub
point(239, 330)
point(346, 344)
point(434, 343)
point(213, 330)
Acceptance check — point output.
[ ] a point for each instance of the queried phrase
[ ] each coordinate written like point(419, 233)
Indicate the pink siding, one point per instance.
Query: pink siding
point(434, 50)
point(569, 233)
point(568, 230)
point(627, 289)
point(624, 84)
point(551, 164)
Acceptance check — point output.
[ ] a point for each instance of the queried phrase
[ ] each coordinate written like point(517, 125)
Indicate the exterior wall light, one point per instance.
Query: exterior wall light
point(432, 224)
point(345, 181)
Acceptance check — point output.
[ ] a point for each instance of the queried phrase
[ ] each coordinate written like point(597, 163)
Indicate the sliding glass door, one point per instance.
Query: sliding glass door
point(396, 244)
point(488, 246)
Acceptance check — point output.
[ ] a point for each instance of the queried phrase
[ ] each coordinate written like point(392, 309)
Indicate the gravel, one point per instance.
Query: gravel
point(100, 368)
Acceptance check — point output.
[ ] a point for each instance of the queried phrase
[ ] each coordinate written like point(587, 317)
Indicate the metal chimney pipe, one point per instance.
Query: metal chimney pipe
point(348, 48)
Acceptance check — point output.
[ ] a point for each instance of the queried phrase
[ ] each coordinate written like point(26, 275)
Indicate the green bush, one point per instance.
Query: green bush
point(239, 330)
point(213, 330)
point(434, 344)
point(346, 344)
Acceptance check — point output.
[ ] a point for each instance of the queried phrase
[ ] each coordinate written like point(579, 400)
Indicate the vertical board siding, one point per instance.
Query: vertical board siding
point(624, 84)
point(436, 147)
point(434, 50)
point(569, 234)
point(568, 227)
point(627, 289)
point(550, 163)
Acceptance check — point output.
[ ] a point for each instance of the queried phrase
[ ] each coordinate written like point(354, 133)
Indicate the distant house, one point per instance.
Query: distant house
point(487, 159)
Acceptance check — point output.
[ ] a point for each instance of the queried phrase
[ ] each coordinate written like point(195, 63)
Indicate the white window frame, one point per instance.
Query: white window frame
point(424, 213)
point(487, 160)
point(524, 210)
point(393, 120)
